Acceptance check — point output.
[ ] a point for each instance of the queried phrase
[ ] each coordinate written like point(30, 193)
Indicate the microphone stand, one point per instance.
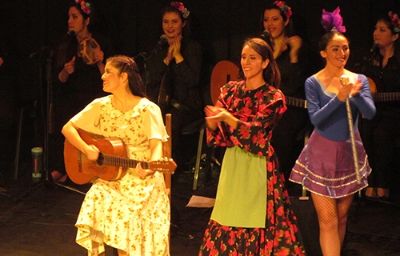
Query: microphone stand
point(48, 125)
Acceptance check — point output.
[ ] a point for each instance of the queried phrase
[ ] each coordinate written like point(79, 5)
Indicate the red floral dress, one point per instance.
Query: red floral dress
point(258, 112)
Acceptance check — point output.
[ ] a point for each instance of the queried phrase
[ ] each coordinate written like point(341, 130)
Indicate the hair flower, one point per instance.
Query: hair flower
point(394, 19)
point(181, 8)
point(85, 6)
point(284, 8)
point(333, 21)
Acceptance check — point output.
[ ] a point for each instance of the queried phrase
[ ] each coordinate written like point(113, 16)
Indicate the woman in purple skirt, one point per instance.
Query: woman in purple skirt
point(326, 166)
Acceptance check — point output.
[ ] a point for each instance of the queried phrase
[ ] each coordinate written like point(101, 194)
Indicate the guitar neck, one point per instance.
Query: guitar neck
point(296, 102)
point(120, 161)
point(387, 96)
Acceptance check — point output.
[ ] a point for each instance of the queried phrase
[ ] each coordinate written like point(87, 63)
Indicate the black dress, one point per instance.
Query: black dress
point(288, 135)
point(176, 89)
point(381, 135)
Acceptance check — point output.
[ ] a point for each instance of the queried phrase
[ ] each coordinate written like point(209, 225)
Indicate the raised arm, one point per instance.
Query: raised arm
point(319, 115)
point(363, 100)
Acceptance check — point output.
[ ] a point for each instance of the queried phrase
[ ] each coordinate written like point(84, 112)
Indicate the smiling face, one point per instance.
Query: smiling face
point(273, 22)
point(383, 36)
point(76, 22)
point(112, 78)
point(252, 63)
point(172, 25)
point(337, 51)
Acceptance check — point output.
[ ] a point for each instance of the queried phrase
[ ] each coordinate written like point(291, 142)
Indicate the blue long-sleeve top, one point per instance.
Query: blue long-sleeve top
point(328, 114)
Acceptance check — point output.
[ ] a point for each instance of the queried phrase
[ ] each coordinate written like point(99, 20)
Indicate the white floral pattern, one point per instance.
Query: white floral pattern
point(131, 214)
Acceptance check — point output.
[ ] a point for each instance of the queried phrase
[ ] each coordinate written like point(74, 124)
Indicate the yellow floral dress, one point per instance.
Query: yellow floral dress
point(131, 214)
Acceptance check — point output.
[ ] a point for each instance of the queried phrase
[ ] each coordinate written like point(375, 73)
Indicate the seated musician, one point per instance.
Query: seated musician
point(132, 213)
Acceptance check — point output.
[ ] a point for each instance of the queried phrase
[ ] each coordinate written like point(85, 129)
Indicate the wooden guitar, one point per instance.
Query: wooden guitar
point(382, 96)
point(296, 102)
point(111, 164)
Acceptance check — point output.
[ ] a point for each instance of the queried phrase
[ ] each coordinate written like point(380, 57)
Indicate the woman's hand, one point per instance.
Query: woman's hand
point(355, 88)
point(92, 152)
point(177, 55)
point(347, 89)
point(212, 110)
point(143, 173)
point(174, 51)
point(98, 56)
point(69, 67)
point(215, 115)
point(294, 43)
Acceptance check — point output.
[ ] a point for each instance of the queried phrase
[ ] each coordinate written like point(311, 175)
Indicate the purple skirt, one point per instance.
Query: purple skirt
point(326, 167)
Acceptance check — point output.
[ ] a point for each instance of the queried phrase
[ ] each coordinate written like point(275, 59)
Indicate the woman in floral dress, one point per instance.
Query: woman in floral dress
point(252, 214)
point(130, 214)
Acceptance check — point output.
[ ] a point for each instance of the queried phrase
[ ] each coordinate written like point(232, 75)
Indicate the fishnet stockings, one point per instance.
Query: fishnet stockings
point(332, 218)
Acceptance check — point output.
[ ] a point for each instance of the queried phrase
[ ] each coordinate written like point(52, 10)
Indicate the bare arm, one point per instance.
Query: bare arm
point(71, 134)
point(156, 149)
point(156, 154)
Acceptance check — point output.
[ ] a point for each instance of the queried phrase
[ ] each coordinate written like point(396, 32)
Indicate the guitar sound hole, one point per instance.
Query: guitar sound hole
point(100, 159)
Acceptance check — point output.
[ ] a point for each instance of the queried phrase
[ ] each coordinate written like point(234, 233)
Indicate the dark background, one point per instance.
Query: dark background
point(29, 28)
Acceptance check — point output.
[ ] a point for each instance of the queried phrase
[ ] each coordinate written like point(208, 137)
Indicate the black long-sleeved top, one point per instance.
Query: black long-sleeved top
point(181, 80)
point(292, 74)
point(387, 80)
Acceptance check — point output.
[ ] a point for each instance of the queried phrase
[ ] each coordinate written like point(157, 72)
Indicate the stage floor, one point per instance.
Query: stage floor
point(38, 220)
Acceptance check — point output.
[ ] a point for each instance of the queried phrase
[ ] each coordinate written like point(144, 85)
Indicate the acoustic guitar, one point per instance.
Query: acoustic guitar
point(111, 164)
point(296, 102)
point(382, 96)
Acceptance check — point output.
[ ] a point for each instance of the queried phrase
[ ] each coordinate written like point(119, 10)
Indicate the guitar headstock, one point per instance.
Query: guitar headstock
point(163, 165)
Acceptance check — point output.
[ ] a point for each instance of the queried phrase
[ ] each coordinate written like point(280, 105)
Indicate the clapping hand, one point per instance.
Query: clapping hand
point(348, 89)
point(294, 43)
point(174, 51)
point(215, 115)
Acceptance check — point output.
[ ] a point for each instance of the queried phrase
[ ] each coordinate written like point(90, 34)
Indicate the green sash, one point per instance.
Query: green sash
point(242, 190)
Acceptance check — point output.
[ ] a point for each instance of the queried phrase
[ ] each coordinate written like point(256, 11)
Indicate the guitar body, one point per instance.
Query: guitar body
point(382, 96)
point(223, 72)
point(80, 170)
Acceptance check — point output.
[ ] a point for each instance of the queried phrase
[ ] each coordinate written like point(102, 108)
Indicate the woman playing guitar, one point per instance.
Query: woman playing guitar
point(131, 213)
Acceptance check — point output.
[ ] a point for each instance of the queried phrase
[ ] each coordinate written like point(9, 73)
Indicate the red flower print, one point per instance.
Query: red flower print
point(280, 211)
point(244, 132)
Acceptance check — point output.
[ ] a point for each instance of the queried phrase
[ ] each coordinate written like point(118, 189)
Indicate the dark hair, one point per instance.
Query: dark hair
point(375, 57)
point(327, 37)
point(272, 5)
point(68, 45)
point(271, 74)
point(84, 14)
point(386, 19)
point(177, 7)
point(288, 29)
point(128, 65)
point(186, 21)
